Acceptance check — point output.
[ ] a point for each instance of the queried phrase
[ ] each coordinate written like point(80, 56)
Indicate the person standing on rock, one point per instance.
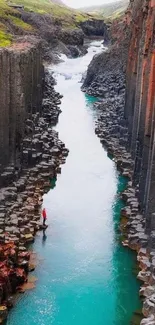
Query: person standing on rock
point(44, 215)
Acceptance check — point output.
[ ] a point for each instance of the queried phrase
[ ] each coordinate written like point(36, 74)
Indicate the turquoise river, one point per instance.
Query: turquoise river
point(85, 276)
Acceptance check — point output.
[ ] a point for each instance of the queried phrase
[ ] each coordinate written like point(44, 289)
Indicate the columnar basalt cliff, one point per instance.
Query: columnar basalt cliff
point(140, 105)
point(124, 76)
point(21, 83)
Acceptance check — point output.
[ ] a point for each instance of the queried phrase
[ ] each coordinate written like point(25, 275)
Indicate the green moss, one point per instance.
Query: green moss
point(41, 11)
point(5, 10)
point(5, 39)
point(9, 14)
point(80, 18)
point(20, 23)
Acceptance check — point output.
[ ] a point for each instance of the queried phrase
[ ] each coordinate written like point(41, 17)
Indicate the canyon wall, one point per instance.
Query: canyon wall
point(140, 104)
point(130, 63)
point(21, 82)
point(95, 27)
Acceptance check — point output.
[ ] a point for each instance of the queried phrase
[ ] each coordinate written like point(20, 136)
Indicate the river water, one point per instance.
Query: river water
point(85, 276)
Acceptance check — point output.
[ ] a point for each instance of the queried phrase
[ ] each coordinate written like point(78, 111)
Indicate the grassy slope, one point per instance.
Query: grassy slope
point(69, 17)
point(47, 6)
point(111, 11)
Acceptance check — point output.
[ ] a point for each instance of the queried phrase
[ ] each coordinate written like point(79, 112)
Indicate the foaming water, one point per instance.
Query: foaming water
point(84, 274)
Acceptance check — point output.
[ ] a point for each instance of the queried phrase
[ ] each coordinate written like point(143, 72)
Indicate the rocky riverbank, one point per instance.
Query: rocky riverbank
point(110, 129)
point(133, 222)
point(21, 198)
point(126, 128)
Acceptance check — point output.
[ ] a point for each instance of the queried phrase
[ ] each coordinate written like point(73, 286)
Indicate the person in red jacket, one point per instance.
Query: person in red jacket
point(44, 215)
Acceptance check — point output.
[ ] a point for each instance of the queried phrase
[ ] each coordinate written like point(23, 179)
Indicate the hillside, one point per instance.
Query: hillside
point(59, 2)
point(110, 10)
point(42, 17)
point(55, 8)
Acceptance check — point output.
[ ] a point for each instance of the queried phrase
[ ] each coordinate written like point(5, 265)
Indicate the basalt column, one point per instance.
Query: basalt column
point(21, 82)
point(140, 104)
point(149, 149)
point(4, 106)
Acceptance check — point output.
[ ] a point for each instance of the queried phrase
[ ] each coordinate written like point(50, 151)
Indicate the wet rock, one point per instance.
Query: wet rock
point(144, 276)
point(148, 321)
point(3, 312)
point(149, 306)
point(147, 291)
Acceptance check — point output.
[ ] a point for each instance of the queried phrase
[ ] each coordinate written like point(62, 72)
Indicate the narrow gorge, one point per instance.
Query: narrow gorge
point(97, 189)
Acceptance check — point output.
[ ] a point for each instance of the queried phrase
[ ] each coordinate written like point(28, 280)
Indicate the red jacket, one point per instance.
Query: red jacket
point(44, 214)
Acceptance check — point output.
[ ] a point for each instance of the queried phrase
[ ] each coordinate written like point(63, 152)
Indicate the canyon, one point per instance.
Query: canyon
point(123, 78)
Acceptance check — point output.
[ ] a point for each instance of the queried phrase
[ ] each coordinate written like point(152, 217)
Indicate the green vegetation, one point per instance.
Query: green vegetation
point(9, 15)
point(66, 15)
point(110, 11)
point(5, 9)
point(20, 23)
point(5, 12)
point(5, 39)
